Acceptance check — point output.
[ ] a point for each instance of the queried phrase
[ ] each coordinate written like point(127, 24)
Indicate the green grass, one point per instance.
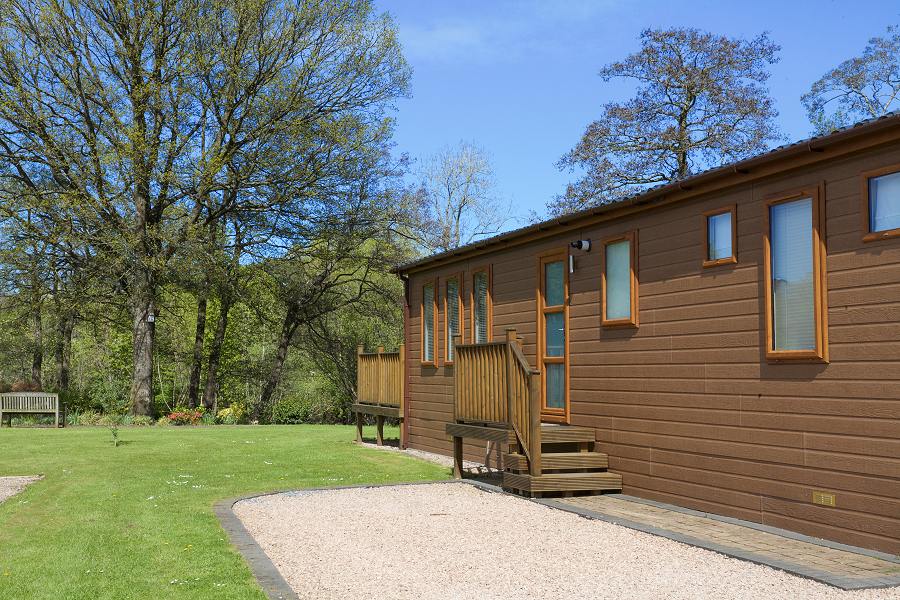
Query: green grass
point(136, 521)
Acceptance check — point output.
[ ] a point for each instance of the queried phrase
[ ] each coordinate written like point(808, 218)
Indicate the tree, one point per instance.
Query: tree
point(458, 199)
point(701, 101)
point(139, 111)
point(859, 88)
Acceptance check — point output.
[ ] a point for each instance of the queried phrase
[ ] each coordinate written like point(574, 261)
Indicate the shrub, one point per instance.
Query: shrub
point(4, 387)
point(185, 416)
point(139, 421)
point(163, 422)
point(232, 415)
point(87, 418)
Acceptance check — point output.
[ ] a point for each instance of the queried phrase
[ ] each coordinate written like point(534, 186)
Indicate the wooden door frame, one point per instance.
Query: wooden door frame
point(560, 254)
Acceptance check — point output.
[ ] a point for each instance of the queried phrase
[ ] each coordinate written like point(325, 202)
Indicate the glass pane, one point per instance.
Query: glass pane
point(555, 334)
point(428, 330)
point(452, 305)
point(556, 385)
point(618, 280)
point(719, 227)
point(793, 305)
point(481, 308)
point(884, 202)
point(554, 283)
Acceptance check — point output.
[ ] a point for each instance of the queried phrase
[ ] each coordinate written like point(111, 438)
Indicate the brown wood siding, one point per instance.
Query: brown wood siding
point(686, 405)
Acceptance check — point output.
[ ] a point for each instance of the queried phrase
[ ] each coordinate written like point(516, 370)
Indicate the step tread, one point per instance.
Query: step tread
point(560, 460)
point(563, 482)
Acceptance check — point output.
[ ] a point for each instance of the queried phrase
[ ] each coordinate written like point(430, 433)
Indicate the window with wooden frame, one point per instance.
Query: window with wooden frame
point(880, 209)
point(429, 322)
point(453, 314)
point(552, 334)
point(481, 305)
point(794, 265)
point(720, 246)
point(619, 282)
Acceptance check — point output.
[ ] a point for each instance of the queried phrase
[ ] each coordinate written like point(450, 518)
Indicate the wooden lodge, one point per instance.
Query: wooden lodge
point(728, 343)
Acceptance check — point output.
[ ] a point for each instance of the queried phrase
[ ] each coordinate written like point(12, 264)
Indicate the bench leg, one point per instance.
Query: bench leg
point(379, 430)
point(359, 426)
point(457, 457)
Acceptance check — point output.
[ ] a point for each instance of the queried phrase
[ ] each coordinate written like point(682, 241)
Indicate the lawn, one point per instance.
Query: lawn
point(136, 521)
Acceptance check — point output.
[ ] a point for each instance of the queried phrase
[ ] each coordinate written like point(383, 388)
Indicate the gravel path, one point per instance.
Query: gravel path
point(10, 486)
point(456, 541)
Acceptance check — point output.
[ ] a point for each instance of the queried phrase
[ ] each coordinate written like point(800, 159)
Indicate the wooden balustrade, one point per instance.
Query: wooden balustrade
point(379, 377)
point(495, 385)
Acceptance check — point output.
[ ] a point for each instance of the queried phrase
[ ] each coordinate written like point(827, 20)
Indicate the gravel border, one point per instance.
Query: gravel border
point(13, 484)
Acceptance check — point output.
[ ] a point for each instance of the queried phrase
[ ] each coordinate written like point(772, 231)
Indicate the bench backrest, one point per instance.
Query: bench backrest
point(29, 402)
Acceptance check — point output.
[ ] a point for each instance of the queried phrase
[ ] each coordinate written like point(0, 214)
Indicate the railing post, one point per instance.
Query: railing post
point(379, 376)
point(510, 371)
point(359, 373)
point(457, 341)
point(534, 393)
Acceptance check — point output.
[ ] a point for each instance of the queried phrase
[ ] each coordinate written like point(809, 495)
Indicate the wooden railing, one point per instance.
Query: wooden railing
point(495, 385)
point(379, 377)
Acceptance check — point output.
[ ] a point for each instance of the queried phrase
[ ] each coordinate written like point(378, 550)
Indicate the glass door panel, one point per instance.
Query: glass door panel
point(552, 343)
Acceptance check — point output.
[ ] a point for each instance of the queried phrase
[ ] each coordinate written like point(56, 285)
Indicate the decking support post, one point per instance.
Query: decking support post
point(457, 457)
point(379, 430)
point(359, 426)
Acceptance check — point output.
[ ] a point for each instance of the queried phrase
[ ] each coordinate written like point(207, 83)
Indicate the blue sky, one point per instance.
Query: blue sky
point(519, 78)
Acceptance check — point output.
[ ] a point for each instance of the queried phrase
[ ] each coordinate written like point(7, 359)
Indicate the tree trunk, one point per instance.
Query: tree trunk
point(215, 355)
point(284, 341)
point(64, 351)
point(144, 332)
point(197, 364)
point(37, 349)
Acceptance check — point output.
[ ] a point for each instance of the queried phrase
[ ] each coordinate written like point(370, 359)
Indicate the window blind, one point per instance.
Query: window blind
point(719, 227)
point(793, 288)
point(618, 280)
point(884, 202)
point(452, 307)
point(481, 307)
point(428, 329)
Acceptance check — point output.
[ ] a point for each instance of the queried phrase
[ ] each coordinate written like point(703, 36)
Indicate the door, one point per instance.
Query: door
point(553, 346)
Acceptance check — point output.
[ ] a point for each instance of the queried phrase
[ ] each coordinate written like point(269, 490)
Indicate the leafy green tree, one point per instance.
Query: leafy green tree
point(862, 87)
point(701, 101)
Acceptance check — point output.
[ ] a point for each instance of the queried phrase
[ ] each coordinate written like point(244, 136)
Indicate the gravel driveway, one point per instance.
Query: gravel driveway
point(456, 541)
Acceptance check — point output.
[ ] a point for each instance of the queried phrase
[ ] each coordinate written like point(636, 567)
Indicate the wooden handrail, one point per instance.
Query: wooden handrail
point(379, 377)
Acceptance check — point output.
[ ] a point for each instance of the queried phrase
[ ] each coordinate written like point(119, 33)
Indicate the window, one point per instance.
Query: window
point(481, 305)
point(721, 237)
point(552, 354)
point(452, 314)
point(794, 267)
point(429, 342)
point(619, 281)
point(881, 203)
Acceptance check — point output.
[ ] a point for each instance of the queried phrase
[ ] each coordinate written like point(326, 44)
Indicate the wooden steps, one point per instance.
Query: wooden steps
point(568, 465)
point(563, 482)
point(558, 461)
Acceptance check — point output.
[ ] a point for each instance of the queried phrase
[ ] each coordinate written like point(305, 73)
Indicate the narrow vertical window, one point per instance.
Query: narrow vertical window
point(481, 306)
point(795, 299)
point(619, 281)
point(452, 314)
point(881, 203)
point(721, 237)
point(428, 320)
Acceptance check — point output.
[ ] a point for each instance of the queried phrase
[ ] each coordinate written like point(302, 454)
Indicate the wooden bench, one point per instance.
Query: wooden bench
point(35, 403)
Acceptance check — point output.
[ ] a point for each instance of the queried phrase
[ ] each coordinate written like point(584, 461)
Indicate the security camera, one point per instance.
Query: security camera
point(582, 245)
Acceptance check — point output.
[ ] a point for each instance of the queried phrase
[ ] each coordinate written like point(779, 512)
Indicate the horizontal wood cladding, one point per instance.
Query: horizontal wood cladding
point(686, 405)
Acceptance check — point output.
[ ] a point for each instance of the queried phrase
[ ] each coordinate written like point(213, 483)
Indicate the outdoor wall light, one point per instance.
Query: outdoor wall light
point(582, 245)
